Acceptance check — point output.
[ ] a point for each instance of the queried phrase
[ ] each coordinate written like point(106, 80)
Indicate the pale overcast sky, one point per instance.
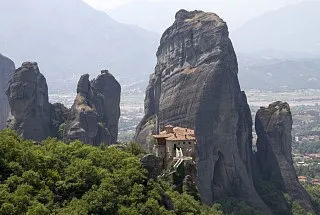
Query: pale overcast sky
point(106, 4)
point(111, 4)
point(157, 17)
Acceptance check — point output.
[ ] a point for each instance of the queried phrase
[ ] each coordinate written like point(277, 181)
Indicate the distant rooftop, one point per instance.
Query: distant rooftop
point(176, 134)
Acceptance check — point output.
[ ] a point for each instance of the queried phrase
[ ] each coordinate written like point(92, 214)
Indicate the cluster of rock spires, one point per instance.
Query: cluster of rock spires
point(93, 118)
point(195, 85)
point(7, 68)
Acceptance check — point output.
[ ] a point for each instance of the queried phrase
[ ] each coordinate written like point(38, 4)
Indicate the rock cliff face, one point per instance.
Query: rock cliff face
point(195, 85)
point(28, 99)
point(274, 159)
point(95, 113)
point(7, 68)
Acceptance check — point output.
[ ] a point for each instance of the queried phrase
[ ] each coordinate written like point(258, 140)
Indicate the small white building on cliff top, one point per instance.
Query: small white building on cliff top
point(172, 140)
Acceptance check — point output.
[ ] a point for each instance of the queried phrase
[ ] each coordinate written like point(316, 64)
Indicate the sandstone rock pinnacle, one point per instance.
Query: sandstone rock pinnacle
point(274, 158)
point(28, 99)
point(195, 85)
point(95, 113)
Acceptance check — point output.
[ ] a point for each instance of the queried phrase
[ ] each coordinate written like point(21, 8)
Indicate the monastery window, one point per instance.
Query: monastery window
point(184, 142)
point(189, 143)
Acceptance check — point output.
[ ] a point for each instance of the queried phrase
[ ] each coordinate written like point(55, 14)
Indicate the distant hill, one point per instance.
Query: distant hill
point(292, 28)
point(69, 38)
point(267, 73)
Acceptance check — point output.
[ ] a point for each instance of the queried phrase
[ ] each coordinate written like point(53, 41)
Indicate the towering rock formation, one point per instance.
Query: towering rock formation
point(28, 99)
point(195, 85)
point(95, 113)
point(6, 71)
point(274, 158)
point(107, 93)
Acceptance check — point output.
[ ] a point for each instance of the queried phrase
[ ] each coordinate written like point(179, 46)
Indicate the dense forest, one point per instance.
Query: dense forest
point(56, 178)
point(52, 177)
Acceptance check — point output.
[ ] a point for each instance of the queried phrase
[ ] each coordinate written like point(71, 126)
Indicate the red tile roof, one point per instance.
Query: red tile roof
point(179, 134)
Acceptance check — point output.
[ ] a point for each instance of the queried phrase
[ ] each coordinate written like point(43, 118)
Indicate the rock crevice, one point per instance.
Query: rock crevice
point(93, 118)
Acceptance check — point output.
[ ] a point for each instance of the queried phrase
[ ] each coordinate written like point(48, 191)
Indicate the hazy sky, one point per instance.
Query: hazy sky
point(235, 12)
point(111, 4)
point(106, 4)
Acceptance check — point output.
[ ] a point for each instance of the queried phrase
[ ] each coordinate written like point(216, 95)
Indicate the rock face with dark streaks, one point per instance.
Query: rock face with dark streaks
point(195, 85)
point(95, 113)
point(274, 158)
point(7, 68)
point(28, 99)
